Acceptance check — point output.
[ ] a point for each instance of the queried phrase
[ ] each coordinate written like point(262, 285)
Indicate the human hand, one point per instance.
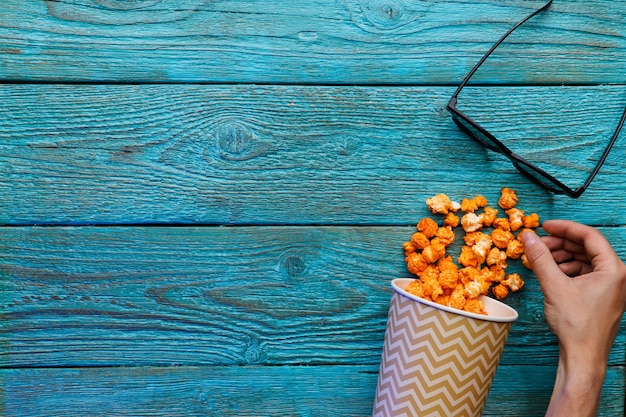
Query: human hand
point(584, 284)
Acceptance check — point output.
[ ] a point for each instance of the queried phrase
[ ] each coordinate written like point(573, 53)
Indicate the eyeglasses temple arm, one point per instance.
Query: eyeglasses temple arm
point(495, 45)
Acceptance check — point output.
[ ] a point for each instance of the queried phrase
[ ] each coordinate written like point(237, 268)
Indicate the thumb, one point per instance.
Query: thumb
point(540, 258)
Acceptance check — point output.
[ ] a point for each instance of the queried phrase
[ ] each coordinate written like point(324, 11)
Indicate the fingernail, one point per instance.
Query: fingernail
point(529, 239)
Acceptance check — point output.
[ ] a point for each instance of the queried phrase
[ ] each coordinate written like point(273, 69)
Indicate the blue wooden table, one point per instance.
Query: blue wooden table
point(203, 202)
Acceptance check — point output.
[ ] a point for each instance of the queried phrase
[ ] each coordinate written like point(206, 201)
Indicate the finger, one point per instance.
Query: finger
point(589, 238)
point(561, 256)
point(575, 268)
point(557, 243)
point(541, 261)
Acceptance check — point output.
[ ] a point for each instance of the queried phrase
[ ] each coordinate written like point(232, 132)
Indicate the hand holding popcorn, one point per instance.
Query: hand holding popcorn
point(584, 283)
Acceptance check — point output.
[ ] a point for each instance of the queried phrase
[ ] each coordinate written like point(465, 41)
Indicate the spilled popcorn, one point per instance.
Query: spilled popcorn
point(489, 243)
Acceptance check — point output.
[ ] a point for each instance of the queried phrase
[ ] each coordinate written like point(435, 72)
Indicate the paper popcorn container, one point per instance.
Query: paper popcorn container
point(438, 361)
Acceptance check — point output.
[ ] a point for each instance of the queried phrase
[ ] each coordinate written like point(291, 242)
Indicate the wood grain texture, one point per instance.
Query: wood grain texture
point(143, 296)
point(252, 391)
point(311, 42)
point(284, 155)
point(202, 203)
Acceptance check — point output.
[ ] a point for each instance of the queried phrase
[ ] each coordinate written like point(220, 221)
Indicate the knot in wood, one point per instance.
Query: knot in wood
point(539, 316)
point(253, 351)
point(386, 12)
point(236, 141)
point(383, 16)
point(292, 266)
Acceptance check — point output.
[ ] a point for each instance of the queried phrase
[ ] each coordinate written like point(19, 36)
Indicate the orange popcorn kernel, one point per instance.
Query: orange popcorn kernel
point(488, 216)
point(468, 274)
point(433, 289)
point(496, 257)
point(445, 235)
point(471, 222)
point(468, 257)
point(419, 240)
point(415, 263)
point(531, 221)
point(448, 273)
point(497, 273)
point(447, 264)
point(501, 238)
point(475, 306)
point(457, 298)
point(416, 288)
point(515, 218)
point(431, 273)
point(482, 247)
point(508, 198)
point(514, 249)
point(500, 291)
point(502, 224)
point(451, 220)
point(408, 248)
point(433, 252)
point(441, 204)
point(428, 227)
point(474, 204)
point(514, 282)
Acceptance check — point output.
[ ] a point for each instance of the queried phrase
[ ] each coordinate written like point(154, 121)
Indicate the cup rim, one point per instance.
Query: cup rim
point(497, 311)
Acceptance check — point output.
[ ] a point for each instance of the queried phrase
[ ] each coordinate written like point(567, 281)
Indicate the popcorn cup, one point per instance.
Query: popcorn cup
point(437, 360)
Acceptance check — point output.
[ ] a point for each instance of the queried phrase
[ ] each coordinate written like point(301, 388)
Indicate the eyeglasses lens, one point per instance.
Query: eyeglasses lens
point(537, 177)
point(475, 133)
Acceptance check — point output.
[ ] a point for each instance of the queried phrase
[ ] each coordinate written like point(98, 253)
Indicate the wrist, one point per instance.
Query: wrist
point(577, 387)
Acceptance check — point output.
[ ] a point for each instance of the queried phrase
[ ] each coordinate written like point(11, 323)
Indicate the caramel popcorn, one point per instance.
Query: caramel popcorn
point(428, 227)
point(474, 204)
point(480, 268)
point(442, 204)
point(468, 257)
point(500, 291)
point(515, 218)
point(501, 238)
point(433, 252)
point(508, 198)
point(451, 220)
point(471, 222)
point(502, 224)
point(419, 240)
point(514, 282)
point(514, 249)
point(531, 221)
point(496, 257)
point(415, 263)
point(445, 235)
point(488, 216)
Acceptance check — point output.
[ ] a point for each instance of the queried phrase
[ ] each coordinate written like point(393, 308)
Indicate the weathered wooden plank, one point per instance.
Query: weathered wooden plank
point(286, 155)
point(517, 391)
point(144, 296)
point(301, 41)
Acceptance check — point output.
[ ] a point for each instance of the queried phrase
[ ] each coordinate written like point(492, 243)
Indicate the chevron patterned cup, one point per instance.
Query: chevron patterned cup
point(438, 361)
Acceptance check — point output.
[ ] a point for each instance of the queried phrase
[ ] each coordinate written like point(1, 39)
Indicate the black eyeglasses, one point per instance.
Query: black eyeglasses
point(489, 141)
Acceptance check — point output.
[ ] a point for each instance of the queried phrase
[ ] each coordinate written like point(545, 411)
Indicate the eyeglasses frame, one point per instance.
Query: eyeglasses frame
point(500, 147)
